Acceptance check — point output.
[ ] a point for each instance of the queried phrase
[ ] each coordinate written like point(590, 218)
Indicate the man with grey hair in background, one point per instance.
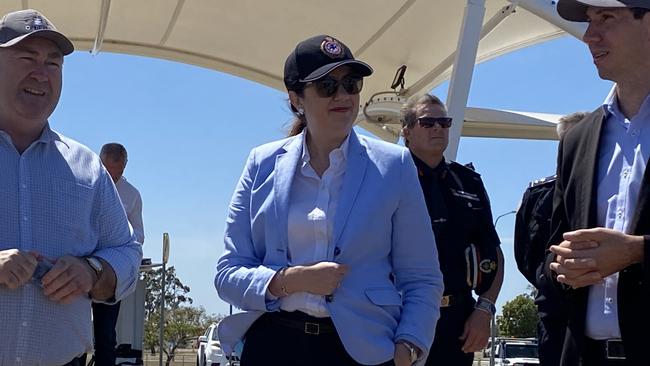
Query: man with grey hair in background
point(532, 232)
point(114, 157)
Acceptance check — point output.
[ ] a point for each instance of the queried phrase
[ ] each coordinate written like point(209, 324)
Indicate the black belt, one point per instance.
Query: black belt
point(612, 349)
point(303, 322)
point(455, 299)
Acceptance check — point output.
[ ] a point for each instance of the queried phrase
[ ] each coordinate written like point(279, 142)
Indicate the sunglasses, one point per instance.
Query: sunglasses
point(327, 86)
point(428, 122)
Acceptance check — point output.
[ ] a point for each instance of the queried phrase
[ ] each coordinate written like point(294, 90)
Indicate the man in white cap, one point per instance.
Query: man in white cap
point(64, 236)
point(600, 257)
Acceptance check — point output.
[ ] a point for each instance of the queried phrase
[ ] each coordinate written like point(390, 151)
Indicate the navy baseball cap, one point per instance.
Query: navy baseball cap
point(22, 24)
point(576, 11)
point(317, 56)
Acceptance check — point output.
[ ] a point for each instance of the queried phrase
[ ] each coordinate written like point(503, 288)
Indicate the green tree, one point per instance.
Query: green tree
point(519, 318)
point(183, 322)
point(175, 296)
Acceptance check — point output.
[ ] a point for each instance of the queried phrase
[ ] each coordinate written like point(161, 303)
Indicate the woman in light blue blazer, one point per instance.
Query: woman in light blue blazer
point(328, 245)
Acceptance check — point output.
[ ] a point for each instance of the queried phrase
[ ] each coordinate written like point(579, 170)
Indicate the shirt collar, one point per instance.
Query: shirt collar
point(47, 136)
point(426, 171)
point(612, 108)
point(342, 150)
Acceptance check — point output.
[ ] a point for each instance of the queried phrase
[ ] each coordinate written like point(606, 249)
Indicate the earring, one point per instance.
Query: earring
point(301, 111)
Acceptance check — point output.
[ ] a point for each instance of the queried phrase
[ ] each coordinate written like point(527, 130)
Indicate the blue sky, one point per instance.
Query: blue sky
point(188, 131)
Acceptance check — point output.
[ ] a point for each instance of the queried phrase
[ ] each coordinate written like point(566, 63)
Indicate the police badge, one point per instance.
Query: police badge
point(331, 47)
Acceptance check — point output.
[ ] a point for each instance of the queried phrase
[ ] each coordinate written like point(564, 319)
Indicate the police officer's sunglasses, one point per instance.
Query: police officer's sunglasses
point(428, 122)
point(327, 86)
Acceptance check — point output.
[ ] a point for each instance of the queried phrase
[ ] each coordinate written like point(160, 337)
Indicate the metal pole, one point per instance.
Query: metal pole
point(461, 76)
point(165, 258)
point(494, 336)
point(505, 214)
point(493, 332)
point(162, 312)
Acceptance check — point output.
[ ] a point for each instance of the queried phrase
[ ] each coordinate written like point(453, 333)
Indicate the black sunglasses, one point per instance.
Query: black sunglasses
point(327, 86)
point(428, 122)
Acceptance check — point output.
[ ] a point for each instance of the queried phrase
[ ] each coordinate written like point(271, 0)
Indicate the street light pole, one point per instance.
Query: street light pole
point(165, 258)
point(494, 317)
point(500, 216)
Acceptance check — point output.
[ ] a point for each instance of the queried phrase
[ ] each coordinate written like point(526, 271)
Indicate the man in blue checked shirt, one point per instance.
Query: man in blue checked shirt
point(64, 236)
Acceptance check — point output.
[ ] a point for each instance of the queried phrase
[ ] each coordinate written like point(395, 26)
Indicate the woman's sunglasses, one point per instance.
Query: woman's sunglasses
point(327, 86)
point(428, 122)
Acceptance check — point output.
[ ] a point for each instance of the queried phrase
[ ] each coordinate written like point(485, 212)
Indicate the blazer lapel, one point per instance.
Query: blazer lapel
point(641, 219)
point(285, 169)
point(587, 163)
point(354, 173)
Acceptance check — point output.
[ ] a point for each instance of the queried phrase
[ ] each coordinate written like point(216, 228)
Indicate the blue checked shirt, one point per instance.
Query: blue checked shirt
point(623, 152)
point(57, 199)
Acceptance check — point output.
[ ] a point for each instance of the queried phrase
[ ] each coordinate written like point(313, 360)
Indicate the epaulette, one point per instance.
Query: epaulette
point(542, 181)
point(467, 168)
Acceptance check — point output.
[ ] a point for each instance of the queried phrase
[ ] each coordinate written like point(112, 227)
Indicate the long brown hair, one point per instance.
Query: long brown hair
point(299, 122)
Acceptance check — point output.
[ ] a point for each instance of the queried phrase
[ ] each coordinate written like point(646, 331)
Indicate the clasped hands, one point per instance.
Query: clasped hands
point(587, 256)
point(69, 278)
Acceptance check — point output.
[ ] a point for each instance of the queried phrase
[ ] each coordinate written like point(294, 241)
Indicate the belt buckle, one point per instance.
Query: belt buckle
point(614, 349)
point(444, 301)
point(312, 328)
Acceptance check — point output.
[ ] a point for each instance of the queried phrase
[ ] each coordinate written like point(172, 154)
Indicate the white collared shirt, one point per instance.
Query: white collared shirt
point(312, 206)
point(132, 203)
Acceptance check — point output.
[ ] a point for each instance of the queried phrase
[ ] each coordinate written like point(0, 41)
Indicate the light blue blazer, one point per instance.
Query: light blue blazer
point(381, 227)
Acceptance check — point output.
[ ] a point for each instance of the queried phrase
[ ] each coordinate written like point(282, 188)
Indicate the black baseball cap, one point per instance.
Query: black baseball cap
point(576, 11)
point(22, 24)
point(315, 57)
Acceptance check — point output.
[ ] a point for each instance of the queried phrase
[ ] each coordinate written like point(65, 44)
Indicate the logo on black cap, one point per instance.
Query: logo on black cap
point(38, 24)
point(331, 47)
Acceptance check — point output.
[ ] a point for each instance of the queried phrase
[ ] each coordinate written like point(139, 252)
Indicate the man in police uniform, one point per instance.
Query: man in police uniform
point(532, 232)
point(468, 245)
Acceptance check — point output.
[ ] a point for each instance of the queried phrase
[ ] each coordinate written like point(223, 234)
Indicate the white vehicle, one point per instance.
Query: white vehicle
point(514, 352)
point(209, 352)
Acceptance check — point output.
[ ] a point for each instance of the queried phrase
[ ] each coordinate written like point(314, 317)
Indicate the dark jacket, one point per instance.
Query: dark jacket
point(574, 207)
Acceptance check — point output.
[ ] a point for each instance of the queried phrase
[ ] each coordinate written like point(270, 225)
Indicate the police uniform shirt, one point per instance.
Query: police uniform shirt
point(460, 215)
point(533, 227)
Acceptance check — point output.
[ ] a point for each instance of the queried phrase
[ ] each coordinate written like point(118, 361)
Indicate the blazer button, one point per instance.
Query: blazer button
point(337, 251)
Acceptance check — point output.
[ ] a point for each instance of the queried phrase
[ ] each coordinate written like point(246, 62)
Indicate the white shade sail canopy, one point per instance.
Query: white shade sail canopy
point(251, 38)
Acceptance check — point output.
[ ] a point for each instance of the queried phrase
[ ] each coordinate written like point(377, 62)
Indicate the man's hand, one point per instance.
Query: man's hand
point(587, 256)
point(476, 331)
point(70, 278)
point(16, 267)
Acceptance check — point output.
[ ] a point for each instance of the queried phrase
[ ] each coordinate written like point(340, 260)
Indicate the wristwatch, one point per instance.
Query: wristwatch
point(413, 353)
point(96, 265)
point(486, 305)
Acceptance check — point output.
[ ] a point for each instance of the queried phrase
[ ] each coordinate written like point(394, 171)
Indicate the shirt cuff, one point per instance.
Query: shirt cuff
point(125, 261)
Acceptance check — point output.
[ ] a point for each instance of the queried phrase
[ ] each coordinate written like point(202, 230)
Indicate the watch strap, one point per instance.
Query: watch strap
point(486, 305)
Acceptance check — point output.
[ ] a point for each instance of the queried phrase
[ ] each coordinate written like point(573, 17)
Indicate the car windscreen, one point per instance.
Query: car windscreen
point(521, 351)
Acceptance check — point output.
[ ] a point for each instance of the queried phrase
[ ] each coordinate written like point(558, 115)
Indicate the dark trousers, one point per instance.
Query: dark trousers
point(276, 339)
point(446, 347)
point(595, 355)
point(550, 334)
point(104, 322)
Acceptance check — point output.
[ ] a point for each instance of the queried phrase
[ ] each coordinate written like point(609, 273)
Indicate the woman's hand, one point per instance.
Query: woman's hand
point(320, 278)
point(402, 355)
